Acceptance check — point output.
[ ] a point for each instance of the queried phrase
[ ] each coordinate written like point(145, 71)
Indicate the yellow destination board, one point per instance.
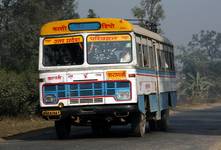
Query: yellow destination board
point(109, 38)
point(64, 40)
point(116, 75)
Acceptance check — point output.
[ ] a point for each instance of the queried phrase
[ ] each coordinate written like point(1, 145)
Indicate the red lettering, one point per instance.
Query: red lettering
point(60, 28)
point(55, 78)
point(107, 26)
point(73, 40)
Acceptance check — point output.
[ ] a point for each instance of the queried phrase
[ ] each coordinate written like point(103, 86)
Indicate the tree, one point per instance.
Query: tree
point(20, 25)
point(69, 9)
point(200, 60)
point(150, 10)
point(209, 43)
point(91, 14)
point(197, 86)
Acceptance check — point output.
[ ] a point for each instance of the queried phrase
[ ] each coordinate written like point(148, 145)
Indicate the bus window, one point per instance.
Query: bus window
point(146, 56)
point(172, 62)
point(109, 49)
point(139, 55)
point(162, 60)
point(168, 60)
point(152, 57)
point(62, 53)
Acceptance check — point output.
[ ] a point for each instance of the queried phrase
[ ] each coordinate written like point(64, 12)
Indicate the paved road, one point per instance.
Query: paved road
point(189, 130)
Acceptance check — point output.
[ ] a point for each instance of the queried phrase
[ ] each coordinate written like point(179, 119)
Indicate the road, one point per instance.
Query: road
point(189, 130)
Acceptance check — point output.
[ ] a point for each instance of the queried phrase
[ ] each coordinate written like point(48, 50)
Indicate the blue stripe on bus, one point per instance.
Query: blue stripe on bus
point(154, 72)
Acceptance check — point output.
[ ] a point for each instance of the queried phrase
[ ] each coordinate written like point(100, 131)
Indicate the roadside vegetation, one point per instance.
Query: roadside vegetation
point(198, 68)
point(14, 126)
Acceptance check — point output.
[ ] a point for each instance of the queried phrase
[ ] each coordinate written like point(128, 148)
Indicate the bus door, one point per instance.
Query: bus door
point(155, 48)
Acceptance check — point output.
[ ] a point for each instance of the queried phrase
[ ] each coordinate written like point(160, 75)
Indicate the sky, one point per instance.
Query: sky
point(183, 17)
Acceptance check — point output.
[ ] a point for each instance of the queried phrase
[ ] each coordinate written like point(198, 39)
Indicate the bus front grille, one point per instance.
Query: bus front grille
point(81, 92)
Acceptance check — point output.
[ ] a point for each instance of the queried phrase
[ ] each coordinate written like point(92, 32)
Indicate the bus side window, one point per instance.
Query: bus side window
point(168, 60)
point(152, 57)
point(162, 60)
point(172, 62)
point(139, 55)
point(159, 59)
point(146, 56)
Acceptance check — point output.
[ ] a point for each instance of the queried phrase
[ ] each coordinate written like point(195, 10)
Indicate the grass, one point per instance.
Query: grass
point(12, 126)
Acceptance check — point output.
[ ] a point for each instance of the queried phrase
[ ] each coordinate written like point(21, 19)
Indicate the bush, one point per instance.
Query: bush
point(18, 93)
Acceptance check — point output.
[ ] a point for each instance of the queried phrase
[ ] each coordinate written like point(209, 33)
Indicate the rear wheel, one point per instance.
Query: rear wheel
point(164, 122)
point(63, 128)
point(138, 124)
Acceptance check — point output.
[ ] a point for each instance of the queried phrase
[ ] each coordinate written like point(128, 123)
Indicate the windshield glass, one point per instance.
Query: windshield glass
point(109, 49)
point(63, 51)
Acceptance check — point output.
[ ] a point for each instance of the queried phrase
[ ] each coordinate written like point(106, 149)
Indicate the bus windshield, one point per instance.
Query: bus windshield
point(63, 51)
point(109, 49)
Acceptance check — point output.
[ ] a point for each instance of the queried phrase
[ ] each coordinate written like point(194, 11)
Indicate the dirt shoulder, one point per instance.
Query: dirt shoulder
point(13, 126)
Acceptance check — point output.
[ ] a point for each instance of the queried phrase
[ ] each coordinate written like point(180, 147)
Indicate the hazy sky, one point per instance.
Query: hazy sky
point(183, 17)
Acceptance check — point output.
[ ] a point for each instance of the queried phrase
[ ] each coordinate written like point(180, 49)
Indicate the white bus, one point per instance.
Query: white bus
point(102, 72)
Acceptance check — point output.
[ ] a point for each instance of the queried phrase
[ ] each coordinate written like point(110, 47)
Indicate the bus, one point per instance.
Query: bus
point(102, 72)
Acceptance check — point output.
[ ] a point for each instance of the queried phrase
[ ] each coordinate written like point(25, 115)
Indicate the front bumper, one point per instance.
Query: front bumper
point(55, 112)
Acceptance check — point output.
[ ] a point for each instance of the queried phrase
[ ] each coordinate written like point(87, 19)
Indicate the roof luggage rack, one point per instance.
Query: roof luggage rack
point(147, 24)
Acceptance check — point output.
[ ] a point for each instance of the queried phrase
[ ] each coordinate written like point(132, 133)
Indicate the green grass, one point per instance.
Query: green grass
point(12, 126)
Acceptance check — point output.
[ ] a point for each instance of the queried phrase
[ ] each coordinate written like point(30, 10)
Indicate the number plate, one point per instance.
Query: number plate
point(51, 113)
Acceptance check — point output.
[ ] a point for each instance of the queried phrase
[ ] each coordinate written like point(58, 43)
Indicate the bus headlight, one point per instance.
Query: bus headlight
point(50, 99)
point(123, 94)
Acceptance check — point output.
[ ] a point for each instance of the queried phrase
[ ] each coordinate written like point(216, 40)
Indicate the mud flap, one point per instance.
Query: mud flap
point(141, 103)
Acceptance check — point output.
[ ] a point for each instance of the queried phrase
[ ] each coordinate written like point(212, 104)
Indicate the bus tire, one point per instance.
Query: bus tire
point(63, 129)
point(138, 125)
point(164, 122)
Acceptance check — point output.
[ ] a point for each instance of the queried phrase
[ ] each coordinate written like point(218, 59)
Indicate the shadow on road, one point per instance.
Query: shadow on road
point(77, 133)
point(196, 122)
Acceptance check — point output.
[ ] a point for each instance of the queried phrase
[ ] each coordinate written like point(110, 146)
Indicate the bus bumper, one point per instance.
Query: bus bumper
point(102, 110)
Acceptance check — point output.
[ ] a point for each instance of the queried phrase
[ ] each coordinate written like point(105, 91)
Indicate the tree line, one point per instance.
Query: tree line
point(20, 23)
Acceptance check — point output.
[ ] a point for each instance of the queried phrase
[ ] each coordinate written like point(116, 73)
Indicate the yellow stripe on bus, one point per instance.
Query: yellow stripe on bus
point(107, 25)
point(64, 40)
point(109, 38)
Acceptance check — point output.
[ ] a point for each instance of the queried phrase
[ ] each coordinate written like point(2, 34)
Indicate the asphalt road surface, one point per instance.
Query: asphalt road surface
point(189, 130)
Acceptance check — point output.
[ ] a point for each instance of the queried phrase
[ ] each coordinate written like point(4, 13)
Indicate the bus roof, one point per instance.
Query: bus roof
point(86, 25)
point(97, 25)
point(152, 35)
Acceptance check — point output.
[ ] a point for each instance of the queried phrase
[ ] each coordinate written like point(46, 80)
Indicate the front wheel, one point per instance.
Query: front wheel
point(138, 124)
point(63, 128)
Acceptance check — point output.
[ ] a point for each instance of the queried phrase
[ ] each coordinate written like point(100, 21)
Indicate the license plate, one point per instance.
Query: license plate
point(51, 113)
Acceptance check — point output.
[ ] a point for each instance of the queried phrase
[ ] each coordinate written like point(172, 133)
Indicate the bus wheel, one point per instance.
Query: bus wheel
point(63, 128)
point(164, 122)
point(138, 124)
